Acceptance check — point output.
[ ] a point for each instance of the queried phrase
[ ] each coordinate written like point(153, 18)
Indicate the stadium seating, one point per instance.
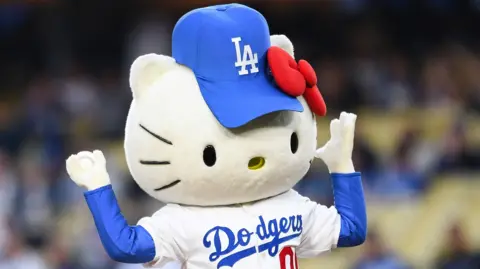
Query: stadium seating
point(417, 230)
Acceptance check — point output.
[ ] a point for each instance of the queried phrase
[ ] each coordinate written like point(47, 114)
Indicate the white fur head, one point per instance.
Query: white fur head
point(170, 127)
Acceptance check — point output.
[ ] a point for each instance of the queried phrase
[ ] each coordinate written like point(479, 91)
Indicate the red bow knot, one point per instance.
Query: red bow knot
point(296, 79)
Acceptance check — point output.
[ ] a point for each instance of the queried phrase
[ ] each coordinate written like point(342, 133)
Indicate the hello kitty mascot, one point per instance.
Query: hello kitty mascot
point(221, 132)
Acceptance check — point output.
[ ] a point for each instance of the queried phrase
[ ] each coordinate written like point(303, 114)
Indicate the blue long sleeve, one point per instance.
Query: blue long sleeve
point(350, 204)
point(123, 243)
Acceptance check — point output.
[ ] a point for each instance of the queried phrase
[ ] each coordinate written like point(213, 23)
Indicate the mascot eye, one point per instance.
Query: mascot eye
point(209, 156)
point(294, 142)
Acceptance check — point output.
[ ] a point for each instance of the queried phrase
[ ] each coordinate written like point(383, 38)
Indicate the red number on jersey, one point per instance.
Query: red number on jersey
point(288, 258)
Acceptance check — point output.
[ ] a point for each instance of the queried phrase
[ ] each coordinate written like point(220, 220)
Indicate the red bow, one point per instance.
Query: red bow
point(296, 79)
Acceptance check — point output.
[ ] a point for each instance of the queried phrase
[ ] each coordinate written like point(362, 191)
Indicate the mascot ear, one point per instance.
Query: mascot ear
point(283, 42)
point(146, 69)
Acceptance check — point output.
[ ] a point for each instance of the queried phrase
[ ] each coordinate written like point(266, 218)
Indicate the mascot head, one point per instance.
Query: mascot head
point(227, 119)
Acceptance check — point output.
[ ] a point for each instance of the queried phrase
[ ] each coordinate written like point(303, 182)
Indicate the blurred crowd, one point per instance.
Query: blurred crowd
point(65, 89)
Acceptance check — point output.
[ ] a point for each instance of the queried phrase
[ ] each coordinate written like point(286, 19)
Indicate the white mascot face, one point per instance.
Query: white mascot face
point(178, 152)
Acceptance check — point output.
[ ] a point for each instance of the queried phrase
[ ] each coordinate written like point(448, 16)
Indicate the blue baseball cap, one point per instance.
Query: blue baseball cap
point(226, 48)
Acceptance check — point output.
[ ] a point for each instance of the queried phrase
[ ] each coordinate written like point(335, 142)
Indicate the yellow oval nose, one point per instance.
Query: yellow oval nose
point(256, 163)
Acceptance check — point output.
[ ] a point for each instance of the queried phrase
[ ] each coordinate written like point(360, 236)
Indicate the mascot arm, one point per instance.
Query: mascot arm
point(345, 224)
point(347, 185)
point(350, 204)
point(123, 243)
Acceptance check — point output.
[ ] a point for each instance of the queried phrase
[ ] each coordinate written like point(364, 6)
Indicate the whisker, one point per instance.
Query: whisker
point(168, 185)
point(164, 140)
point(154, 162)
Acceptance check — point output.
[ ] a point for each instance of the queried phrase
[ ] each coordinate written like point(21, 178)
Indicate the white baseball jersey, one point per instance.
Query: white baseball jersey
point(269, 234)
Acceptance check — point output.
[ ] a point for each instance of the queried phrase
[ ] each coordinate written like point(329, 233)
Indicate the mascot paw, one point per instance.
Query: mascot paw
point(88, 169)
point(337, 152)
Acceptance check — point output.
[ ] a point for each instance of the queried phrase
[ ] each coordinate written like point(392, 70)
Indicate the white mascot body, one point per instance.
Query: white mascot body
point(214, 133)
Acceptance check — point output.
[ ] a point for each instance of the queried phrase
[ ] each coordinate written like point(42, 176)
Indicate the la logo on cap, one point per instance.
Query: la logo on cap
point(248, 58)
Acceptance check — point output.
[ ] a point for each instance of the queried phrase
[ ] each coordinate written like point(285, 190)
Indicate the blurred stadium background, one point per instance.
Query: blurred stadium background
point(410, 69)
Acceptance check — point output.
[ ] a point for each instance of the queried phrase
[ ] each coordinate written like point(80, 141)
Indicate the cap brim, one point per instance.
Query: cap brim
point(235, 103)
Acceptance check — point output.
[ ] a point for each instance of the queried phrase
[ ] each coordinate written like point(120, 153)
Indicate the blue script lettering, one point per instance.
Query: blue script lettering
point(276, 231)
